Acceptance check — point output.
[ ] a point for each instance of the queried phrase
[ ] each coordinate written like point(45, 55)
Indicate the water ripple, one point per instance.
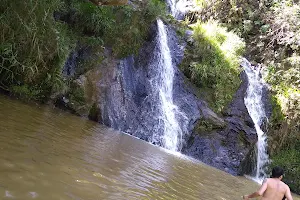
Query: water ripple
point(47, 154)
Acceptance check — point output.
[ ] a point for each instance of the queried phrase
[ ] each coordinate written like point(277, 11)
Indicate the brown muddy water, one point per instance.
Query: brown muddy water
point(48, 154)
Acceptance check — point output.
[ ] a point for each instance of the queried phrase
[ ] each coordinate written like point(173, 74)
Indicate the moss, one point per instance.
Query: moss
point(224, 143)
point(212, 63)
point(94, 59)
point(123, 28)
point(243, 139)
point(94, 113)
point(204, 126)
point(277, 116)
point(77, 100)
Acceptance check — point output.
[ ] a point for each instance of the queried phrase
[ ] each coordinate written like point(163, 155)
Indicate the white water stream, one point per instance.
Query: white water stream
point(172, 137)
point(173, 130)
point(178, 7)
point(172, 4)
point(254, 104)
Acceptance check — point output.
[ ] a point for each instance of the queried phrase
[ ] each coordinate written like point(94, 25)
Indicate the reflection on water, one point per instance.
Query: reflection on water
point(47, 154)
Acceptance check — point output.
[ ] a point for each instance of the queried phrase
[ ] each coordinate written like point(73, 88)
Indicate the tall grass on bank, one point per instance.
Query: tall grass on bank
point(212, 62)
point(33, 47)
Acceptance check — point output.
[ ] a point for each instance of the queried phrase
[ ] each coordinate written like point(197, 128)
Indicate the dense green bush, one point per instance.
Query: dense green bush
point(270, 28)
point(284, 81)
point(289, 159)
point(212, 62)
point(124, 28)
point(33, 48)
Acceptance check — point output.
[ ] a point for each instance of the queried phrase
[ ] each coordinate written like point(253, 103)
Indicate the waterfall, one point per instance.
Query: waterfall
point(254, 104)
point(179, 7)
point(172, 136)
point(172, 5)
point(140, 98)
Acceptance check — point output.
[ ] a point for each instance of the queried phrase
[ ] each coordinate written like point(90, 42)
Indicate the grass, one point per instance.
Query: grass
point(33, 47)
point(212, 62)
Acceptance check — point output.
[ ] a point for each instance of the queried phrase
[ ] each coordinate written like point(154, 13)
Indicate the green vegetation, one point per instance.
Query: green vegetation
point(94, 113)
point(289, 160)
point(204, 127)
point(284, 125)
point(271, 30)
point(124, 28)
point(212, 62)
point(34, 46)
point(76, 97)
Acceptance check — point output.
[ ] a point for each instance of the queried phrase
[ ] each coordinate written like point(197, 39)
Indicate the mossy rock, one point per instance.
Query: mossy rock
point(205, 126)
point(77, 100)
point(94, 113)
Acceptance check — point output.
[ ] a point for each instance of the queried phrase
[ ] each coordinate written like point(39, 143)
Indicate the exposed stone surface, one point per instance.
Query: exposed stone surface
point(226, 148)
point(131, 102)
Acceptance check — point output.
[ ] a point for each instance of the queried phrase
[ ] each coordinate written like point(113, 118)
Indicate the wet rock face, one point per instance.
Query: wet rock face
point(131, 102)
point(225, 148)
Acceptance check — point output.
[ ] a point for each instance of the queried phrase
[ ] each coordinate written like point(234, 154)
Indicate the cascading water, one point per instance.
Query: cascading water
point(172, 137)
point(179, 7)
point(172, 5)
point(254, 104)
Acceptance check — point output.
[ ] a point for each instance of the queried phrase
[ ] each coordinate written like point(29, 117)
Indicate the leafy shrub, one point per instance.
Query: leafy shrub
point(285, 23)
point(289, 159)
point(124, 28)
point(284, 127)
point(212, 62)
point(270, 28)
point(33, 47)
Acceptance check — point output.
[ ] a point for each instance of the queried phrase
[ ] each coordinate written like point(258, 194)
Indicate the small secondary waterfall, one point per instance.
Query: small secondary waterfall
point(179, 7)
point(172, 137)
point(172, 5)
point(254, 104)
